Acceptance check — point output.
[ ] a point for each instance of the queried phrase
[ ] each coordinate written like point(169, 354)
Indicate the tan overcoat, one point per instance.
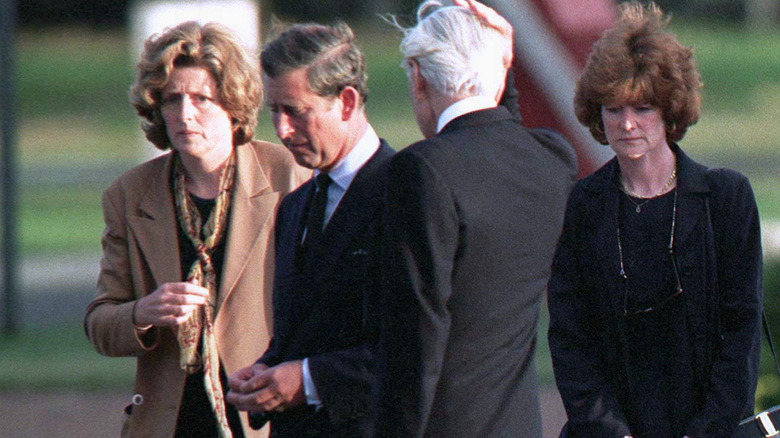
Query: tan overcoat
point(140, 252)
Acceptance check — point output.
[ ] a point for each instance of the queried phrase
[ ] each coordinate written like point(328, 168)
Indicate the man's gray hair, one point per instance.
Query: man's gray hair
point(458, 55)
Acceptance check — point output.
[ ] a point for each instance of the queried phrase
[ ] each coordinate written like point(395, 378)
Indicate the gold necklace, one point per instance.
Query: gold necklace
point(630, 194)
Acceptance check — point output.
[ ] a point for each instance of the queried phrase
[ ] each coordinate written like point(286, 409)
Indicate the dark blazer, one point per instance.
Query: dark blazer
point(472, 220)
point(322, 312)
point(719, 259)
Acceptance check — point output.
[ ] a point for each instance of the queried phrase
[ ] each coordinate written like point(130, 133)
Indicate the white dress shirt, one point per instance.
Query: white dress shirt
point(342, 175)
point(464, 106)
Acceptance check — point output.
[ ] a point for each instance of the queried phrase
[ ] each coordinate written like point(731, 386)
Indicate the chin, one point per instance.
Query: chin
point(303, 161)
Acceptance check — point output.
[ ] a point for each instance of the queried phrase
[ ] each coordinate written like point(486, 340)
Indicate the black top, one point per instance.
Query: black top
point(196, 418)
point(718, 253)
point(659, 356)
point(187, 250)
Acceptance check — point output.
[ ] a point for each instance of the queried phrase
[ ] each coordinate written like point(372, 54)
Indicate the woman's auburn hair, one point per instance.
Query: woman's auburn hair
point(637, 62)
point(213, 47)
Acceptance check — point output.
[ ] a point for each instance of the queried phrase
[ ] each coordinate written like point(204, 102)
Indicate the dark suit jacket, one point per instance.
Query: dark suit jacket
point(472, 220)
point(322, 312)
point(718, 247)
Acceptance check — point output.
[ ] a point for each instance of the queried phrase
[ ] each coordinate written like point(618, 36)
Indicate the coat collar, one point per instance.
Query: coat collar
point(480, 117)
point(604, 188)
point(155, 226)
point(692, 189)
point(356, 209)
point(691, 176)
point(252, 206)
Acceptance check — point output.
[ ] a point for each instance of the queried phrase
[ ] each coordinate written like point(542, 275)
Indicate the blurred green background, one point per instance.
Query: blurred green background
point(77, 132)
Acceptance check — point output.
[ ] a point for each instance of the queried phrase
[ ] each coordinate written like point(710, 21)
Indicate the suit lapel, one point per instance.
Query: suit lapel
point(604, 210)
point(356, 210)
point(252, 206)
point(155, 227)
point(692, 188)
point(610, 257)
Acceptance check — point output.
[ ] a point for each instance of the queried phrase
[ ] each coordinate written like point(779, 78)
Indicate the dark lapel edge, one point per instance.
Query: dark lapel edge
point(355, 211)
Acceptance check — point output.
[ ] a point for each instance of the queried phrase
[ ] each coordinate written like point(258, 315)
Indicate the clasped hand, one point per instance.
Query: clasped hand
point(259, 388)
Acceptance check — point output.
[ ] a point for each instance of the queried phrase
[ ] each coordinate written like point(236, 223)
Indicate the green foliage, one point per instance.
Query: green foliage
point(741, 75)
point(734, 62)
point(60, 358)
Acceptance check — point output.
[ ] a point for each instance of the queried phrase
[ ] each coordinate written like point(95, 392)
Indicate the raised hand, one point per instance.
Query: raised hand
point(169, 305)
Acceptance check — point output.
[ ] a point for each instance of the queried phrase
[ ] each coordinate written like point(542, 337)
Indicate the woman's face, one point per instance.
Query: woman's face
point(634, 130)
point(197, 125)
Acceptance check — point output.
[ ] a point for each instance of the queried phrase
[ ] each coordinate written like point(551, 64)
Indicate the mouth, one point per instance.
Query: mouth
point(294, 146)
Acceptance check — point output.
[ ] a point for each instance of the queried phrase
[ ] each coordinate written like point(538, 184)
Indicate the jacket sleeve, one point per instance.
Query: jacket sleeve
point(344, 380)
point(273, 354)
point(738, 262)
point(576, 341)
point(420, 242)
point(108, 322)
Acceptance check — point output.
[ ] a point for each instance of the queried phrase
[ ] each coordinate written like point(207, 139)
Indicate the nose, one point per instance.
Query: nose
point(282, 125)
point(187, 108)
point(627, 120)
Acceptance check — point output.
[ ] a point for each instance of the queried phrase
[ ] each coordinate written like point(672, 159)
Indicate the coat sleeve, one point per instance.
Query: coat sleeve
point(735, 360)
point(575, 339)
point(109, 318)
point(420, 242)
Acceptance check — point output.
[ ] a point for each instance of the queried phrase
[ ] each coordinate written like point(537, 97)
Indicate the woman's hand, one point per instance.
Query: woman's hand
point(169, 305)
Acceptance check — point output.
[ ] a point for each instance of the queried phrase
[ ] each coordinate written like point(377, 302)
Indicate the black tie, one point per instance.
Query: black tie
point(317, 213)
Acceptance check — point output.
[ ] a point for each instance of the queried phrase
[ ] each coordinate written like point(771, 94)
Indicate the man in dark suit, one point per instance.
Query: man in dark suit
point(316, 376)
point(474, 212)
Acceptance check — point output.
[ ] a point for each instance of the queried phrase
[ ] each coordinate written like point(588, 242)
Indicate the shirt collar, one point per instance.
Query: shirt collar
point(345, 171)
point(464, 106)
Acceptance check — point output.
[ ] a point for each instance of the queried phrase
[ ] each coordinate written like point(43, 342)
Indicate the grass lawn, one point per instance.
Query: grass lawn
point(77, 132)
point(59, 359)
point(74, 114)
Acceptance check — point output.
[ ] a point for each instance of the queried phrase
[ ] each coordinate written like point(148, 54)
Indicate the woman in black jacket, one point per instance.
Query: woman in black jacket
point(655, 294)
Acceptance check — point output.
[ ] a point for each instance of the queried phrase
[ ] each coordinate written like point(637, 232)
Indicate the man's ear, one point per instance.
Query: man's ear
point(501, 89)
point(418, 85)
point(350, 102)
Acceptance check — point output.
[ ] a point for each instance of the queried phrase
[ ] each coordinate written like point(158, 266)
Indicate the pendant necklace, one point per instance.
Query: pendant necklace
point(631, 195)
point(637, 204)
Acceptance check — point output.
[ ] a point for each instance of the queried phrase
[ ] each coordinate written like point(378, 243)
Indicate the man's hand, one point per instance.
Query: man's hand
point(244, 375)
point(262, 389)
point(171, 304)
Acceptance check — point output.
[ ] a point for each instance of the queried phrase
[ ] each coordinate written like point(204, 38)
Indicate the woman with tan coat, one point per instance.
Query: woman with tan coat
point(186, 275)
